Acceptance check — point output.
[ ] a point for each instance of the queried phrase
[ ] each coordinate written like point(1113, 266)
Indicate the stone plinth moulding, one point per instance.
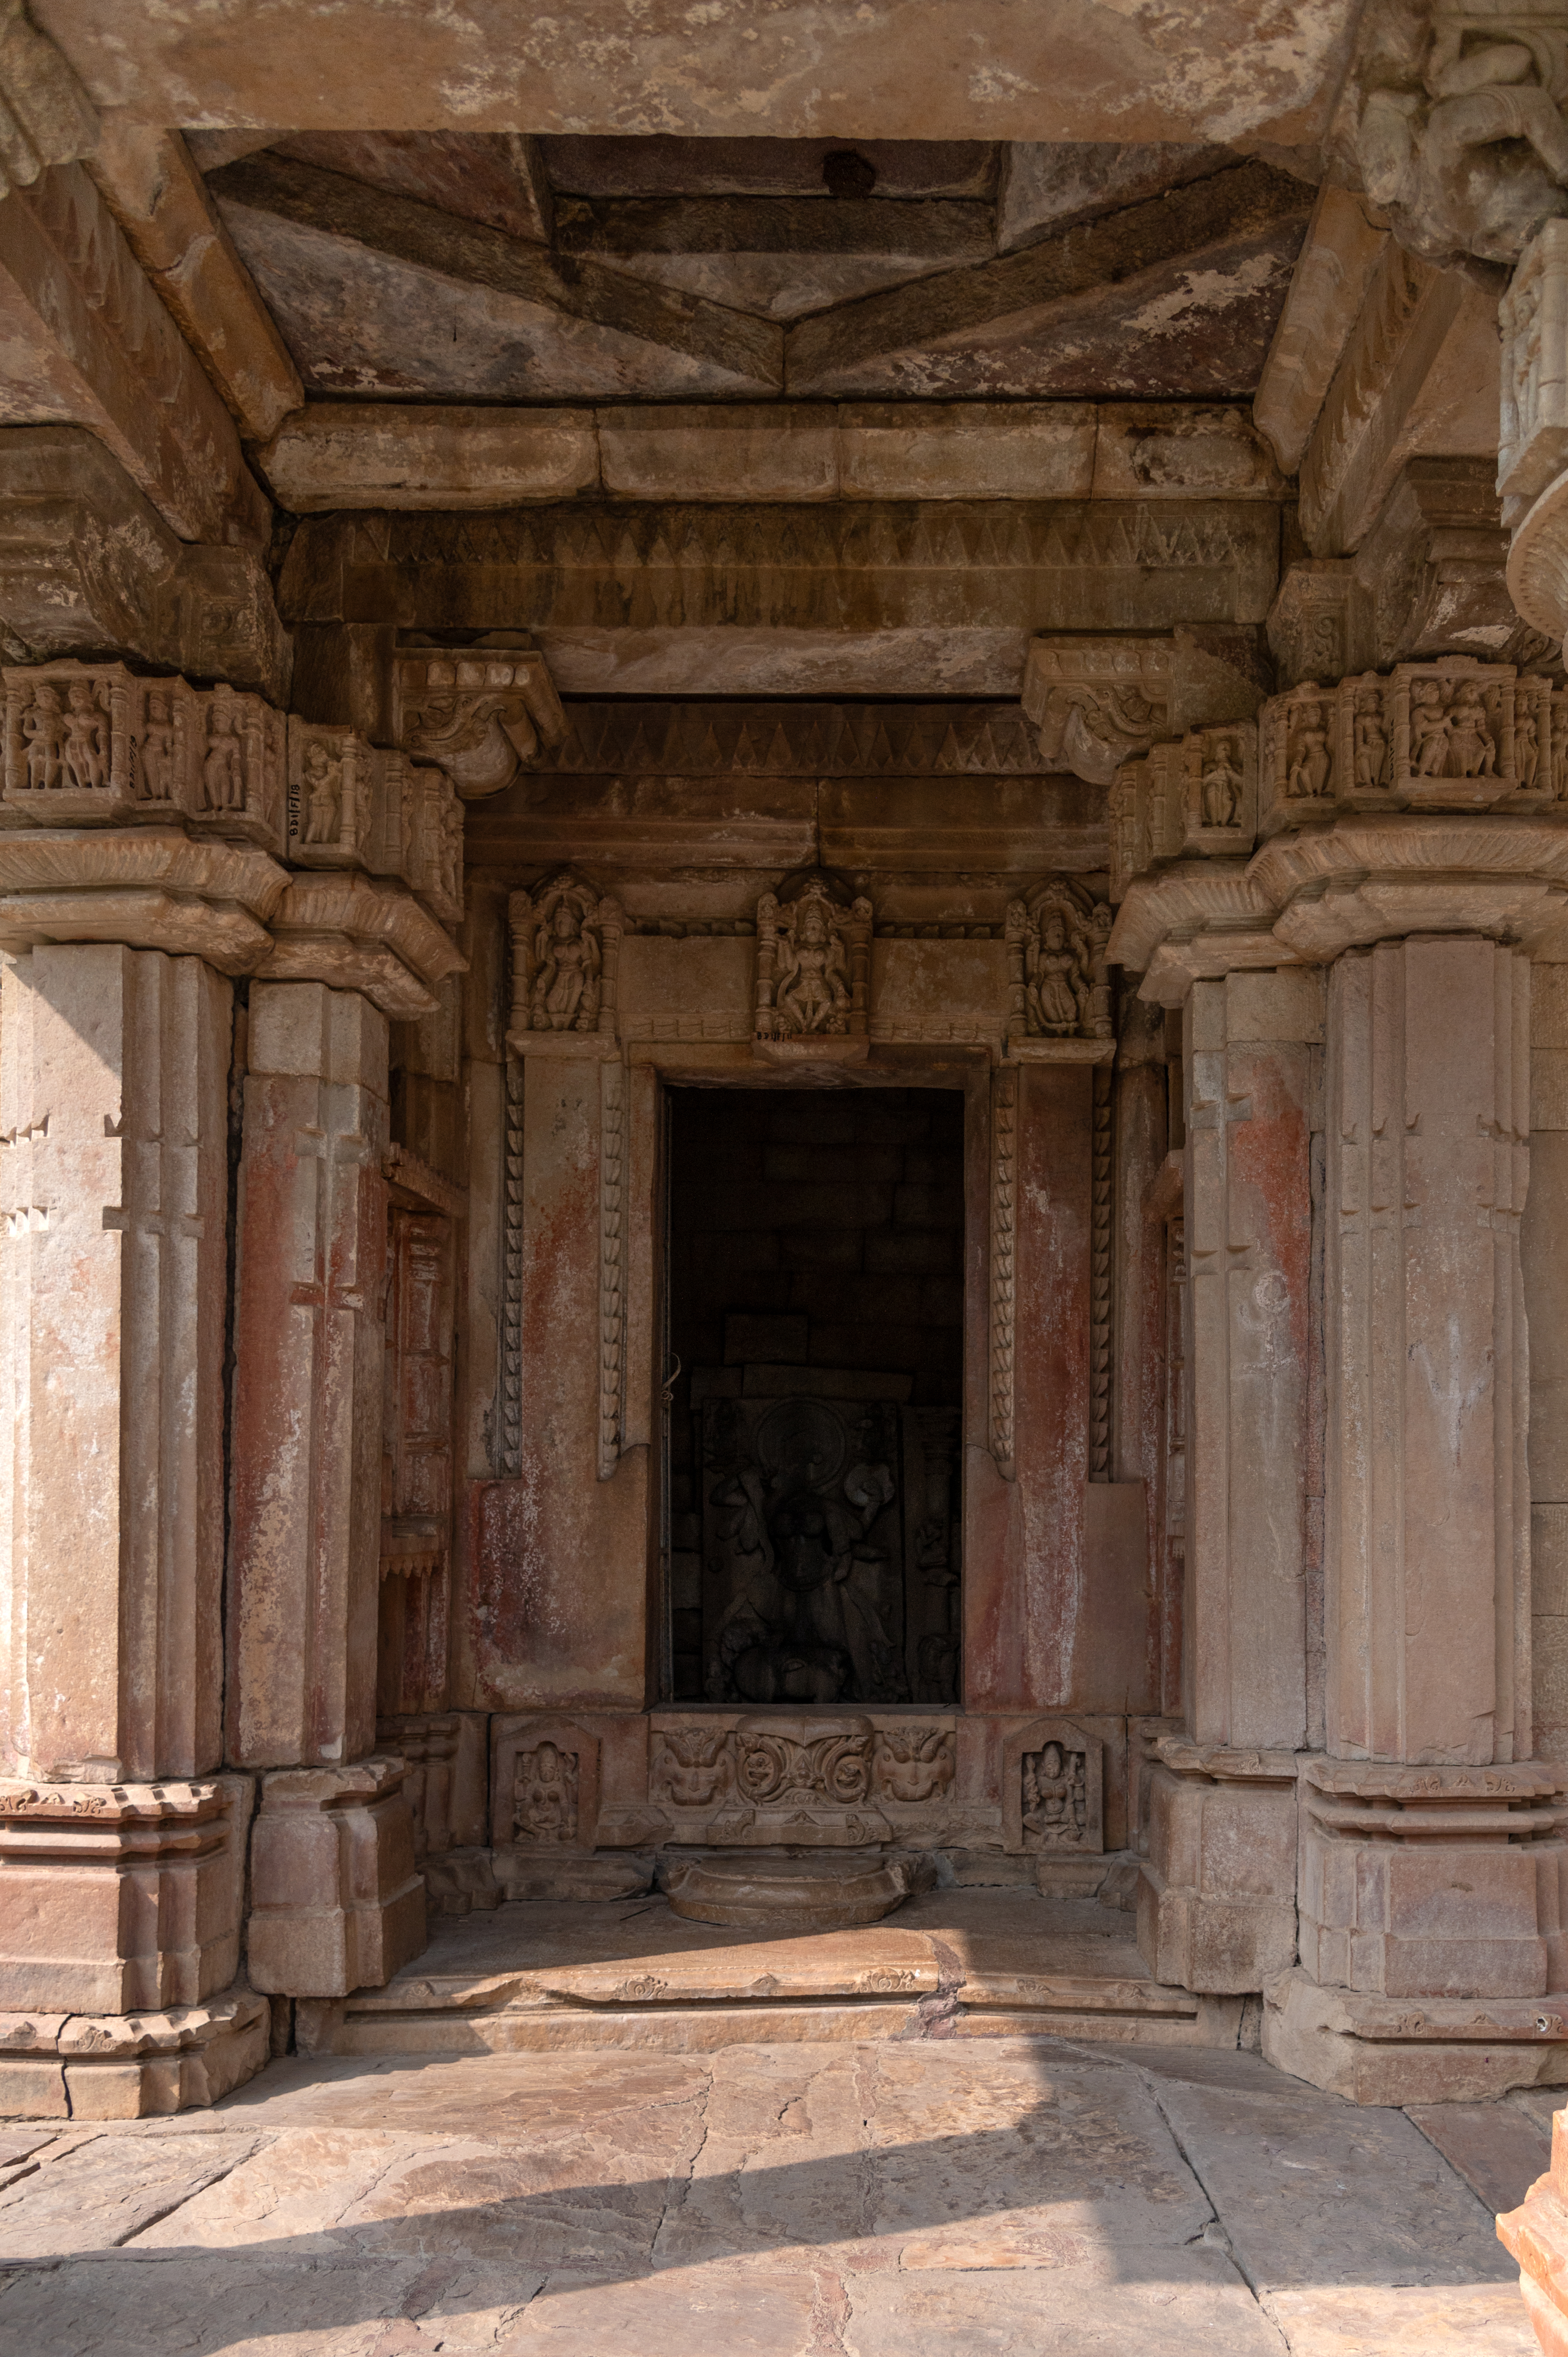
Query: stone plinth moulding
point(336, 1902)
point(120, 1898)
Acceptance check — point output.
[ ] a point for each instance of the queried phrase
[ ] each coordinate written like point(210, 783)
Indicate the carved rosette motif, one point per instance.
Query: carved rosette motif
point(813, 964)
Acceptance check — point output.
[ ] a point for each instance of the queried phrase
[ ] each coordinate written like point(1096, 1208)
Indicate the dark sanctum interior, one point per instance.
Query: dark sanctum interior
point(816, 1306)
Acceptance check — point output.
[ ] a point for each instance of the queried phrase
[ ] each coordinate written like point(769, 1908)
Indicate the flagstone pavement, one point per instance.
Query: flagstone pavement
point(909, 2197)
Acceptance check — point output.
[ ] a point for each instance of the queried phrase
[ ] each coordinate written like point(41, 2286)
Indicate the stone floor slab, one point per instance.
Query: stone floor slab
point(1317, 2192)
point(1498, 2150)
point(107, 2189)
point(1405, 2320)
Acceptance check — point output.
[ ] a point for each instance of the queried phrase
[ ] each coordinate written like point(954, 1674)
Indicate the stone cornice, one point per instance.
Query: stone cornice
point(1307, 895)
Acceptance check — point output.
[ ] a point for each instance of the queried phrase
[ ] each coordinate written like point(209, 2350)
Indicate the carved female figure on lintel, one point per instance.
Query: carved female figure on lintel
point(567, 963)
point(812, 961)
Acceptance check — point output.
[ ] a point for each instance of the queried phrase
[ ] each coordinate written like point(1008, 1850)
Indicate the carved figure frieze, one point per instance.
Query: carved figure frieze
point(417, 833)
point(335, 784)
point(1452, 734)
point(1196, 798)
point(803, 1571)
point(1058, 986)
point(91, 745)
point(478, 712)
point(1053, 1789)
point(1460, 135)
point(813, 962)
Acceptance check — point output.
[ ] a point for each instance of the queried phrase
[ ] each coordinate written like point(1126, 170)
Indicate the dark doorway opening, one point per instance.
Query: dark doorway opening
point(816, 1307)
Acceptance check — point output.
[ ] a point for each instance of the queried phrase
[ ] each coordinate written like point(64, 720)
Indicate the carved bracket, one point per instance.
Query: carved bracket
point(478, 712)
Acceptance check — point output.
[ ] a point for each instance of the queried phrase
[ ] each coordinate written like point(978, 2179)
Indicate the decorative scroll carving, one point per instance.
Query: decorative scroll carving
point(1004, 1182)
point(816, 1779)
point(479, 713)
point(1053, 1789)
point(565, 952)
point(813, 962)
point(508, 1450)
point(1461, 138)
point(612, 1276)
point(1098, 702)
point(1454, 734)
point(1059, 986)
point(803, 1555)
point(90, 745)
point(1100, 1283)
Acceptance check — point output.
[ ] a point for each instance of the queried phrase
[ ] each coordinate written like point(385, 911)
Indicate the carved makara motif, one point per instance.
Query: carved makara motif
point(544, 1796)
point(813, 959)
point(839, 1773)
point(1059, 986)
point(565, 948)
point(478, 712)
point(1460, 137)
point(1097, 702)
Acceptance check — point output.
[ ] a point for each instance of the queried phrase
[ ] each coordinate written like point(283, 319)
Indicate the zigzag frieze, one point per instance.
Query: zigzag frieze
point(827, 740)
point(944, 535)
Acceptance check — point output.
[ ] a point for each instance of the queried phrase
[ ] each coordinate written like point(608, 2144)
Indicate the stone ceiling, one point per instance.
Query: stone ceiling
point(446, 266)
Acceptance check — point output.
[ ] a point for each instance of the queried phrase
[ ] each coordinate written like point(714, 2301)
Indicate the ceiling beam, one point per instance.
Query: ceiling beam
point(1190, 69)
point(384, 288)
point(1009, 325)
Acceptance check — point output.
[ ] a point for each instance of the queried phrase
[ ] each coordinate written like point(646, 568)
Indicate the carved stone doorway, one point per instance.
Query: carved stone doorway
point(815, 1293)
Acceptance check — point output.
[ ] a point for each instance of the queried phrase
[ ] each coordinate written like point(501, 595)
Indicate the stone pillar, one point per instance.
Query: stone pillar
point(1215, 1903)
point(121, 1849)
point(1430, 1877)
point(305, 1498)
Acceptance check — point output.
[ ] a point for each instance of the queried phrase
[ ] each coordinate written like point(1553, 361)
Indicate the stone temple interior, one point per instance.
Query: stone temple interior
point(783, 1082)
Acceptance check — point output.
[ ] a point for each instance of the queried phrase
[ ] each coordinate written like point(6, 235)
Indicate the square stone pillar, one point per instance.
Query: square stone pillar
point(121, 1855)
point(1216, 1905)
point(1432, 1882)
point(333, 1881)
point(308, 1373)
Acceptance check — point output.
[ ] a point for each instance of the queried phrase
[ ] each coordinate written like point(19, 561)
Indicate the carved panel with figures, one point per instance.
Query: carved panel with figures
point(1053, 1789)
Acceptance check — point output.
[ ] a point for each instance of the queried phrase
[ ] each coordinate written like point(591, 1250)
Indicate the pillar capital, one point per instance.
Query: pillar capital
point(1425, 800)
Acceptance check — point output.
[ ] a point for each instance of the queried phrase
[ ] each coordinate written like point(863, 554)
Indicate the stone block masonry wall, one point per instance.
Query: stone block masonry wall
point(814, 1234)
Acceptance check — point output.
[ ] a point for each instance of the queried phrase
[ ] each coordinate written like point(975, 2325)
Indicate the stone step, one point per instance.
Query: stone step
point(965, 1964)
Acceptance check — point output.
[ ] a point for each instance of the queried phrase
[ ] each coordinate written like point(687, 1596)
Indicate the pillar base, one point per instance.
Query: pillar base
point(1217, 1893)
point(1428, 1882)
point(338, 1902)
point(1378, 2049)
point(114, 1897)
point(1537, 2234)
point(131, 2066)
